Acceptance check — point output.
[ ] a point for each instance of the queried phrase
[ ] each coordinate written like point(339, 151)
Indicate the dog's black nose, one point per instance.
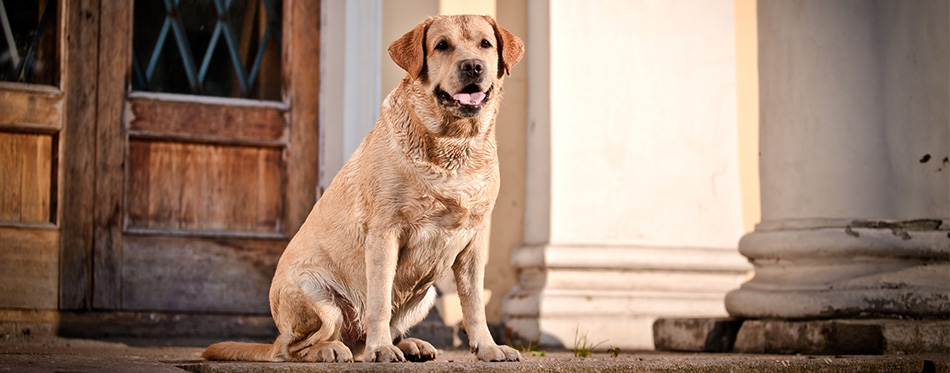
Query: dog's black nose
point(473, 67)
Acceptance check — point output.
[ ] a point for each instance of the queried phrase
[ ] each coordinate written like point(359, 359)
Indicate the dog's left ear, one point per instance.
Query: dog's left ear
point(409, 51)
point(510, 48)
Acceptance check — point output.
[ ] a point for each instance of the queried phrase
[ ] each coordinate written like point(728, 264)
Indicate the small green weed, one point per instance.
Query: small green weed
point(614, 351)
point(531, 349)
point(582, 346)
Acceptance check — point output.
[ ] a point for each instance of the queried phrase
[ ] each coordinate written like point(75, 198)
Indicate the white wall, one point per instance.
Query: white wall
point(643, 123)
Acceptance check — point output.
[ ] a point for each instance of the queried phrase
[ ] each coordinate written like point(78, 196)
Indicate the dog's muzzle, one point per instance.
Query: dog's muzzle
point(467, 102)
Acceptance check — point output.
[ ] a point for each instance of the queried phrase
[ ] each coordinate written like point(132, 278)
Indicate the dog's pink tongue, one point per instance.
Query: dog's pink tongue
point(469, 98)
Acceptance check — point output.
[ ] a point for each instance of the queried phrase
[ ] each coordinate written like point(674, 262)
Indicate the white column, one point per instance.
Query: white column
point(633, 199)
point(350, 58)
point(855, 127)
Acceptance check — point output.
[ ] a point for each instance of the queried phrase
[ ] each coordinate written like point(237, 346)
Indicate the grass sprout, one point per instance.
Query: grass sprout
point(532, 349)
point(583, 346)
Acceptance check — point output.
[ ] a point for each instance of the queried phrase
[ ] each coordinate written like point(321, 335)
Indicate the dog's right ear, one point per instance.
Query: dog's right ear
point(409, 51)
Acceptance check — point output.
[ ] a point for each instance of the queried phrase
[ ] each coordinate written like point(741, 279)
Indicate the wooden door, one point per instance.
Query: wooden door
point(197, 196)
point(32, 110)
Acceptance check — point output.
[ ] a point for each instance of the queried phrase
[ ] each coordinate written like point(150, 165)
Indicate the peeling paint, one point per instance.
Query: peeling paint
point(899, 228)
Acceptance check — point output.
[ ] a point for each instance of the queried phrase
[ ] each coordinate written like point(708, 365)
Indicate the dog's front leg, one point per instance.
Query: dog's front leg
point(381, 254)
point(469, 269)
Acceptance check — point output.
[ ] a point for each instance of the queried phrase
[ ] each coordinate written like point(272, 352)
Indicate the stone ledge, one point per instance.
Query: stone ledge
point(829, 337)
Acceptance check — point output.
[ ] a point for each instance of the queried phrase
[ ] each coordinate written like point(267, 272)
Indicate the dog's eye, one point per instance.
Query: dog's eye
point(442, 46)
point(486, 43)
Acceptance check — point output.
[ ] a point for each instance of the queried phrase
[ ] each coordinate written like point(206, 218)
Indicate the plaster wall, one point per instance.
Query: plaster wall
point(643, 123)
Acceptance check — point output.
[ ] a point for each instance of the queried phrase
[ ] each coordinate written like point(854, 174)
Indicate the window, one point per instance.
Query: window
point(29, 50)
point(224, 48)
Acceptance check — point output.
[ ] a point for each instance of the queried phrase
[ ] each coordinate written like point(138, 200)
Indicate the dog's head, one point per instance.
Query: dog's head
point(459, 60)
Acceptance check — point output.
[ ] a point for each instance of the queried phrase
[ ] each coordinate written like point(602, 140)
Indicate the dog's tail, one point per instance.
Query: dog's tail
point(239, 351)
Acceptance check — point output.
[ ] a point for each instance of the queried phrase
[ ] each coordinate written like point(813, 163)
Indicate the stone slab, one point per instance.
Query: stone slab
point(810, 337)
point(823, 337)
point(696, 335)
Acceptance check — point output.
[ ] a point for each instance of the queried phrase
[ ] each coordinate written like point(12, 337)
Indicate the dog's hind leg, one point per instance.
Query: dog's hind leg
point(309, 328)
point(324, 344)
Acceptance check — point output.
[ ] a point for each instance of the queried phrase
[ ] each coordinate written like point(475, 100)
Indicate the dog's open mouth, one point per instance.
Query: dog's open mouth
point(469, 98)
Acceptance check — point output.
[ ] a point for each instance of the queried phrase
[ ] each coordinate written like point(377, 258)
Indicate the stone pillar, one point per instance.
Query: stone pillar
point(633, 207)
point(855, 139)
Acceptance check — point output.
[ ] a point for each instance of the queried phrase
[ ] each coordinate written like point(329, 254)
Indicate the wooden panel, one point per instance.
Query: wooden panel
point(29, 268)
point(33, 109)
point(114, 62)
point(190, 274)
point(26, 165)
point(198, 119)
point(79, 146)
point(175, 186)
point(302, 19)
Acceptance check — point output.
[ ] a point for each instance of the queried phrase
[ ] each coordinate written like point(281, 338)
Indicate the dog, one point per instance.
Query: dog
point(413, 201)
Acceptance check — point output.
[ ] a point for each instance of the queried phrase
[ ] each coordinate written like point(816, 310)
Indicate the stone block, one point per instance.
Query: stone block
point(696, 335)
point(810, 337)
point(822, 337)
point(844, 337)
point(915, 337)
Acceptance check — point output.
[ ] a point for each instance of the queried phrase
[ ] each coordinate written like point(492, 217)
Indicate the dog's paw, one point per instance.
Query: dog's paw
point(497, 353)
point(417, 350)
point(327, 352)
point(384, 354)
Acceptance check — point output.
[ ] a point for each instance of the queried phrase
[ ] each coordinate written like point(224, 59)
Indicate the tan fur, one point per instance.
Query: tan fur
point(413, 201)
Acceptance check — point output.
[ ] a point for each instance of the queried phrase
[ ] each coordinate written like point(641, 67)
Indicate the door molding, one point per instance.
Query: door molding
point(80, 82)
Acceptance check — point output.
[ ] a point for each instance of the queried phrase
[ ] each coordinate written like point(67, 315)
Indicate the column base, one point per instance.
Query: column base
point(822, 269)
point(615, 293)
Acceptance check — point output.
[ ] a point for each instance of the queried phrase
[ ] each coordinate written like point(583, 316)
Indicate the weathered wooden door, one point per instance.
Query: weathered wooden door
point(32, 108)
point(206, 145)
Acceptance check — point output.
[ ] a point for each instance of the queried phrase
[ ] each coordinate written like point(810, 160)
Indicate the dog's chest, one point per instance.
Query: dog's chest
point(440, 223)
point(428, 249)
point(460, 202)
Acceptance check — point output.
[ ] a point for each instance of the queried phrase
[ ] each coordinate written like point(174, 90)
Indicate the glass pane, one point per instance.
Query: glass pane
point(29, 50)
point(225, 48)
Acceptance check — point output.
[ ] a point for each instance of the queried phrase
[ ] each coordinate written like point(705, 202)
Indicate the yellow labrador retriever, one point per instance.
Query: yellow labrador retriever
point(413, 201)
